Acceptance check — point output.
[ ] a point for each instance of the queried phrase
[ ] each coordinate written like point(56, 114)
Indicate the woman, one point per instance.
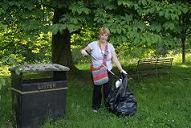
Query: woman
point(98, 49)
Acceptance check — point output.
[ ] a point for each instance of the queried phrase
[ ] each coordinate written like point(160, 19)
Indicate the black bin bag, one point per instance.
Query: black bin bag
point(121, 100)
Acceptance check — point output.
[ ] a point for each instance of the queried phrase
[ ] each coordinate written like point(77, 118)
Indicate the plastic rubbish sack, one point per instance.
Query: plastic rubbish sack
point(121, 100)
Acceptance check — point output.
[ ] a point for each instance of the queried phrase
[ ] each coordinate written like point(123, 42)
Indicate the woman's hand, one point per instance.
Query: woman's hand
point(116, 61)
point(124, 72)
point(84, 53)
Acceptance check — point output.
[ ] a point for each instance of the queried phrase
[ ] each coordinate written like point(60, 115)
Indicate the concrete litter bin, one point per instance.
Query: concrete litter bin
point(38, 93)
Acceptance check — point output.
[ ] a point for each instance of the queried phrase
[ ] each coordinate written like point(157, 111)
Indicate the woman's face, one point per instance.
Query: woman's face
point(103, 37)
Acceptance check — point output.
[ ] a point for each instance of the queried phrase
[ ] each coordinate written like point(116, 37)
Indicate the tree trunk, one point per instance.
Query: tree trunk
point(61, 50)
point(183, 39)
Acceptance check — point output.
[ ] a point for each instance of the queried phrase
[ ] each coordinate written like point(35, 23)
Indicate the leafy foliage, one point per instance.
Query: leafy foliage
point(136, 23)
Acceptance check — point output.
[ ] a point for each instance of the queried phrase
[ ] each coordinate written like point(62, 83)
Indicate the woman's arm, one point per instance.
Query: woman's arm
point(85, 50)
point(116, 61)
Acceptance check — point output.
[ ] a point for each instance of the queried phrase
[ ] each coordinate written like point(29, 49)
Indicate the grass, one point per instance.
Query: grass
point(162, 103)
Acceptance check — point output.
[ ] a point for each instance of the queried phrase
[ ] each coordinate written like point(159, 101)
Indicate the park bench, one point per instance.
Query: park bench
point(153, 67)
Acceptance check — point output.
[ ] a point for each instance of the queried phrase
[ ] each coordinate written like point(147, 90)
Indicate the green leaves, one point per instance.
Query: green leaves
point(169, 26)
point(79, 8)
point(134, 22)
point(55, 28)
point(126, 3)
point(155, 27)
point(70, 22)
point(3, 26)
point(101, 17)
point(73, 19)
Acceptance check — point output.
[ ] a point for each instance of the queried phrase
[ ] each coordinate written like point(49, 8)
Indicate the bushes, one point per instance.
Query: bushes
point(19, 49)
point(130, 55)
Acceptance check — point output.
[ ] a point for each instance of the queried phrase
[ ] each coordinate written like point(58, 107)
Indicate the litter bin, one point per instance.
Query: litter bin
point(38, 93)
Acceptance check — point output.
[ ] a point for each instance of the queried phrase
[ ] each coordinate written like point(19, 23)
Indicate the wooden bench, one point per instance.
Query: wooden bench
point(154, 66)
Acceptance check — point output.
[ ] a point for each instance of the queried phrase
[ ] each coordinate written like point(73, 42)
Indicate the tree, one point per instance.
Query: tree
point(185, 24)
point(166, 21)
point(22, 25)
point(69, 18)
point(137, 23)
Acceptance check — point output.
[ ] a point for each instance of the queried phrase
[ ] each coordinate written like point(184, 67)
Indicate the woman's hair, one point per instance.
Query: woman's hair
point(104, 30)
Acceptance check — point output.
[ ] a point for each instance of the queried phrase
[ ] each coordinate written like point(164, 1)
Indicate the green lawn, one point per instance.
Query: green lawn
point(162, 103)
